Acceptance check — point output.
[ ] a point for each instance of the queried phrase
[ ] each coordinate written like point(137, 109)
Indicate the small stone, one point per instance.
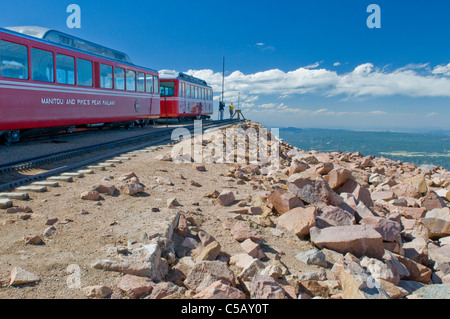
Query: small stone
point(226, 198)
point(97, 291)
point(253, 249)
point(50, 231)
point(51, 221)
point(33, 240)
point(19, 209)
point(173, 203)
point(313, 257)
point(90, 195)
point(199, 168)
point(210, 252)
point(106, 189)
point(19, 276)
point(195, 184)
point(5, 203)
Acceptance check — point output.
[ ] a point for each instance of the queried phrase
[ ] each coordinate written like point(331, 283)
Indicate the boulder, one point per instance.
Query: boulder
point(164, 289)
point(380, 270)
point(135, 287)
point(406, 190)
point(220, 290)
point(298, 220)
point(315, 192)
point(417, 272)
point(143, 261)
point(297, 167)
point(210, 252)
point(389, 229)
point(383, 195)
point(241, 231)
point(409, 212)
point(419, 183)
point(437, 222)
point(284, 201)
point(265, 287)
point(433, 201)
point(441, 291)
point(334, 216)
point(357, 239)
point(205, 273)
point(337, 177)
point(356, 283)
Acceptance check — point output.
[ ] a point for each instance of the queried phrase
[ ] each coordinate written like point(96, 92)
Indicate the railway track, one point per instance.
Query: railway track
point(108, 150)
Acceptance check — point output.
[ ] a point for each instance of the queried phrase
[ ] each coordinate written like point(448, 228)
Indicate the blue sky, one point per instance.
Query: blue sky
point(294, 63)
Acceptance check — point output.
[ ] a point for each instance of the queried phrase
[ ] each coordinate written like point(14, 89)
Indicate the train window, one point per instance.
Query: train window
point(149, 79)
point(180, 89)
point(141, 82)
point(84, 72)
point(106, 76)
point(65, 69)
point(167, 88)
point(156, 84)
point(42, 65)
point(13, 60)
point(119, 77)
point(188, 90)
point(131, 80)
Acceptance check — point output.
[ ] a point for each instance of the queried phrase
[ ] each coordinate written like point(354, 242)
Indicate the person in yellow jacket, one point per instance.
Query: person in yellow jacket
point(231, 110)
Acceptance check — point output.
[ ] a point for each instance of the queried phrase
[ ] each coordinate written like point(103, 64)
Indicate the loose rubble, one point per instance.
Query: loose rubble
point(311, 225)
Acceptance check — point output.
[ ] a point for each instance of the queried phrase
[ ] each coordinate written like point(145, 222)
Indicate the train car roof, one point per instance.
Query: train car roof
point(68, 41)
point(171, 75)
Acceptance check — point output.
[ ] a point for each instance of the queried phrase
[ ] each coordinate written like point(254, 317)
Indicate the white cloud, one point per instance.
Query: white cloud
point(364, 81)
point(312, 66)
point(337, 63)
point(431, 114)
point(442, 69)
point(378, 113)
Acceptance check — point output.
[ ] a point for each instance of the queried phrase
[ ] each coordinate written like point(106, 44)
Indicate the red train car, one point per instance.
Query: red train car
point(184, 96)
point(51, 79)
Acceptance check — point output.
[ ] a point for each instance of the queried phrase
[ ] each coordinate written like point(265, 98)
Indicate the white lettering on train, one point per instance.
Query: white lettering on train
point(57, 101)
